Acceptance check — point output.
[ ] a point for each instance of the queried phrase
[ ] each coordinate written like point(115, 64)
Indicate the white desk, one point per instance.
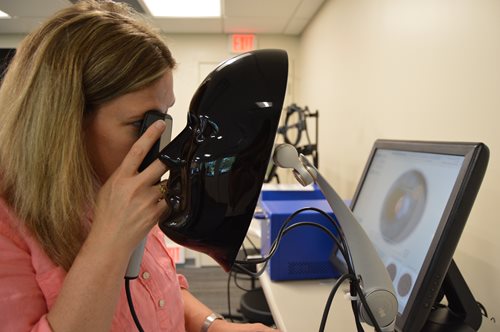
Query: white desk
point(297, 306)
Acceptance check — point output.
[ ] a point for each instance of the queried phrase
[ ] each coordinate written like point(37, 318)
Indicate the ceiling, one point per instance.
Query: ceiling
point(287, 17)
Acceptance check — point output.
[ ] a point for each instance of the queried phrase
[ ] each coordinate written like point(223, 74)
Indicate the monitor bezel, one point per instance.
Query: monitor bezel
point(451, 225)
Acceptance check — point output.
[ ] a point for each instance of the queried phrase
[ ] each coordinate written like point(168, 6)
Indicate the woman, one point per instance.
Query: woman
point(73, 205)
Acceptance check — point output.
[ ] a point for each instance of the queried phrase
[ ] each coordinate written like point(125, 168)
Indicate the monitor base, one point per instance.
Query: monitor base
point(462, 314)
point(443, 319)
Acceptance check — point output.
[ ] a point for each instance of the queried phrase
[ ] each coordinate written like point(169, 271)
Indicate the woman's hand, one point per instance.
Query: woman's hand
point(129, 204)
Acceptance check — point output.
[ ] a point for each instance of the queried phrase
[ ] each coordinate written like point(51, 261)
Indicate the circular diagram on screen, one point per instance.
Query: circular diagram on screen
point(403, 206)
point(405, 284)
point(392, 270)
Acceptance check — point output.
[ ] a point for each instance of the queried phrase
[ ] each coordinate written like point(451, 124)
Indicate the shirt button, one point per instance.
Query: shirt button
point(161, 303)
point(146, 275)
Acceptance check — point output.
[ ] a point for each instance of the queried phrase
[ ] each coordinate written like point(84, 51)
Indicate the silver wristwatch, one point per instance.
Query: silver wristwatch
point(209, 320)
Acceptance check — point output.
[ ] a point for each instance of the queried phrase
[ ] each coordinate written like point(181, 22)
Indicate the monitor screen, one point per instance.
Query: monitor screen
point(413, 200)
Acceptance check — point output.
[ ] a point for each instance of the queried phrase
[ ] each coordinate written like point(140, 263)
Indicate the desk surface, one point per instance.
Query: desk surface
point(297, 306)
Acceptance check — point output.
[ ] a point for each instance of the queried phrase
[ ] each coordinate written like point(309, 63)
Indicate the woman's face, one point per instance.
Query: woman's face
point(113, 127)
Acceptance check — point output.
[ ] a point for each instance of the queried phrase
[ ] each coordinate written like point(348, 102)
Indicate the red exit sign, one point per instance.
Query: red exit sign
point(242, 43)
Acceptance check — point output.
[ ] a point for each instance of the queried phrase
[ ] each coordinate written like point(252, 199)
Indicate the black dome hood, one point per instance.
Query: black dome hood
point(219, 160)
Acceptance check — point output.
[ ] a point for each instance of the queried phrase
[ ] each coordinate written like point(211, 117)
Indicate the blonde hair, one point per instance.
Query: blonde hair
point(85, 55)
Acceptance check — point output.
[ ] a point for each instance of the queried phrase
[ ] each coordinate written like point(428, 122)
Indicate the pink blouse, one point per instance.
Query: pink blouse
point(30, 283)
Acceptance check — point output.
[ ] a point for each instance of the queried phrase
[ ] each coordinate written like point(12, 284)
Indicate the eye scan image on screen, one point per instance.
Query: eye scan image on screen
point(400, 205)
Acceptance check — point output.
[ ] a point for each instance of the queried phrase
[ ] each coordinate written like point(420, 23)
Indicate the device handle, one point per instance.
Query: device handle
point(134, 264)
point(150, 117)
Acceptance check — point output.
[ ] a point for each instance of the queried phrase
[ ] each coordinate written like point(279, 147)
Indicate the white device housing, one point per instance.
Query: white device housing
point(375, 282)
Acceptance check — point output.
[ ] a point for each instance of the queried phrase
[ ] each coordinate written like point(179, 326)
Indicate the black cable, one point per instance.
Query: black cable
point(131, 305)
point(355, 310)
point(342, 248)
point(243, 277)
point(251, 273)
point(336, 224)
point(330, 299)
point(251, 242)
point(354, 306)
point(278, 240)
point(366, 306)
point(244, 251)
point(355, 290)
point(235, 278)
point(230, 316)
point(483, 309)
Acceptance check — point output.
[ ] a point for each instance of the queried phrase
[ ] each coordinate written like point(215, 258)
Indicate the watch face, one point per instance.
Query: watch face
point(214, 316)
point(209, 320)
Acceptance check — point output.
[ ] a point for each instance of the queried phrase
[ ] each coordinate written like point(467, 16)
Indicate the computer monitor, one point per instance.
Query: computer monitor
point(413, 201)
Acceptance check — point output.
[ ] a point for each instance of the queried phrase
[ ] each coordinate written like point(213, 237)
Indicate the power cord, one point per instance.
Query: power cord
point(131, 305)
point(328, 304)
point(233, 274)
point(342, 246)
point(230, 316)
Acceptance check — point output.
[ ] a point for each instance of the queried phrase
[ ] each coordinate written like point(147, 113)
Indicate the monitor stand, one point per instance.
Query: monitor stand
point(462, 314)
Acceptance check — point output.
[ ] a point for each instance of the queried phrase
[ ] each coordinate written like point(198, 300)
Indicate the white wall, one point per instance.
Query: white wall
point(10, 41)
point(408, 69)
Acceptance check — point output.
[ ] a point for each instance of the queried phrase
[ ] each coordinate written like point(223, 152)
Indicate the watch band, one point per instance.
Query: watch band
point(209, 321)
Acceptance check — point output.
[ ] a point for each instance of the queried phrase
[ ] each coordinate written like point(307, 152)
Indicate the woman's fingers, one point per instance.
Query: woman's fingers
point(139, 150)
point(153, 172)
point(134, 200)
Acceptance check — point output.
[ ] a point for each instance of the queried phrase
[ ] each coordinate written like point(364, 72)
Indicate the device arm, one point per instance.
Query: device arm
point(375, 281)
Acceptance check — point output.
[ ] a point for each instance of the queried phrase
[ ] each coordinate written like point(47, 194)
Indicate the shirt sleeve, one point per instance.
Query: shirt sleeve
point(22, 304)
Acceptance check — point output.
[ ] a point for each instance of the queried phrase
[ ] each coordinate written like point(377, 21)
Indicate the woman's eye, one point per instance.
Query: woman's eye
point(137, 127)
point(137, 123)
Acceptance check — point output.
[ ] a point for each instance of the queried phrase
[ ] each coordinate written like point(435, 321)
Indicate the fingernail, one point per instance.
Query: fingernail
point(160, 124)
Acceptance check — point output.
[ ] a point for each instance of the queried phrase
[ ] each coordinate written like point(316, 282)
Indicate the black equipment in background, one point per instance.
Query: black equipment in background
point(295, 126)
